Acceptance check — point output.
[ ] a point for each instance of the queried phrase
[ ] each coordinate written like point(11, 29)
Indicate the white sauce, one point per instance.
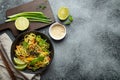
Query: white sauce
point(57, 31)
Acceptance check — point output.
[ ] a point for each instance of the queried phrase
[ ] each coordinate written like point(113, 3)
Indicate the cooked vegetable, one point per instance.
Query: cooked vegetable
point(34, 51)
point(22, 23)
point(32, 16)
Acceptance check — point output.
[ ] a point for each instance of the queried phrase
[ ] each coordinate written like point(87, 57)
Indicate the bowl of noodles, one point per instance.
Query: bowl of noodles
point(32, 52)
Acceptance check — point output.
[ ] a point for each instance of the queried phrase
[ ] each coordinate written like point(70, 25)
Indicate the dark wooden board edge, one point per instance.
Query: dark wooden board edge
point(34, 25)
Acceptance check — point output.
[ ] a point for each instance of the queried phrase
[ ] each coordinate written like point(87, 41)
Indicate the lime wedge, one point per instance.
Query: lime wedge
point(63, 13)
point(21, 67)
point(18, 61)
point(21, 23)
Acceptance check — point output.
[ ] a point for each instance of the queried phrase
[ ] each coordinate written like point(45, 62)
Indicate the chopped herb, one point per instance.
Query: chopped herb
point(25, 44)
point(70, 19)
point(38, 38)
point(67, 22)
point(42, 7)
point(40, 58)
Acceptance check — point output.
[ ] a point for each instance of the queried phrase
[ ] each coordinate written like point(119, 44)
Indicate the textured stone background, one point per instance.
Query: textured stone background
point(91, 49)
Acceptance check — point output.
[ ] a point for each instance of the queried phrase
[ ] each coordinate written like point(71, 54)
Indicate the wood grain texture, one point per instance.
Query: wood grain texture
point(31, 6)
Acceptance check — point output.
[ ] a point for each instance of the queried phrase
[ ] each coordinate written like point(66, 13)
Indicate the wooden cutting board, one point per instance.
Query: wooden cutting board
point(31, 6)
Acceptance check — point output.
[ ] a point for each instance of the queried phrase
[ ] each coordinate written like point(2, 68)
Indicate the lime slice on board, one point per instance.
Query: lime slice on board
point(63, 13)
point(21, 23)
point(18, 61)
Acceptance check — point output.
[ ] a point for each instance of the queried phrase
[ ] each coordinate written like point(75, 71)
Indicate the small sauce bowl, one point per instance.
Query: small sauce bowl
point(57, 31)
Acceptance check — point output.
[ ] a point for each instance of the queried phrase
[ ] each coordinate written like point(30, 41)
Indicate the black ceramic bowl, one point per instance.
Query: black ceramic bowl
point(17, 41)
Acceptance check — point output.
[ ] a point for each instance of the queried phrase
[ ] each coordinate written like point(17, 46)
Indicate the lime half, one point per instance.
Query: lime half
point(21, 67)
point(18, 61)
point(63, 13)
point(21, 23)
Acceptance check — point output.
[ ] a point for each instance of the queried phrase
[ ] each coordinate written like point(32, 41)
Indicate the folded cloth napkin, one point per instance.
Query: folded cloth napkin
point(7, 42)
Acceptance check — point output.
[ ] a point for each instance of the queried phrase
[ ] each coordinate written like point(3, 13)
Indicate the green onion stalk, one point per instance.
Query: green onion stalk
point(32, 16)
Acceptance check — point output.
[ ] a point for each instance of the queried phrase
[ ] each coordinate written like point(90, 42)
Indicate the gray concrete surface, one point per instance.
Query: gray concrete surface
point(91, 49)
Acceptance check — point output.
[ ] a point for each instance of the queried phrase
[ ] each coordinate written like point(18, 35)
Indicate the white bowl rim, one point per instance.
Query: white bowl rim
point(57, 23)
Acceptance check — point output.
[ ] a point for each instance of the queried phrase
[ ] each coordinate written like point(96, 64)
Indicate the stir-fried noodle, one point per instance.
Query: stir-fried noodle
point(34, 51)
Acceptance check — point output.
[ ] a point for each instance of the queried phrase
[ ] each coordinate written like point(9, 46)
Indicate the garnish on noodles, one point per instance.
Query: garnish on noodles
point(34, 51)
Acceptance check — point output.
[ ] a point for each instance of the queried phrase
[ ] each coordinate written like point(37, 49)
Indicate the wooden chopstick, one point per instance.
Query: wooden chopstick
point(11, 73)
point(9, 64)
